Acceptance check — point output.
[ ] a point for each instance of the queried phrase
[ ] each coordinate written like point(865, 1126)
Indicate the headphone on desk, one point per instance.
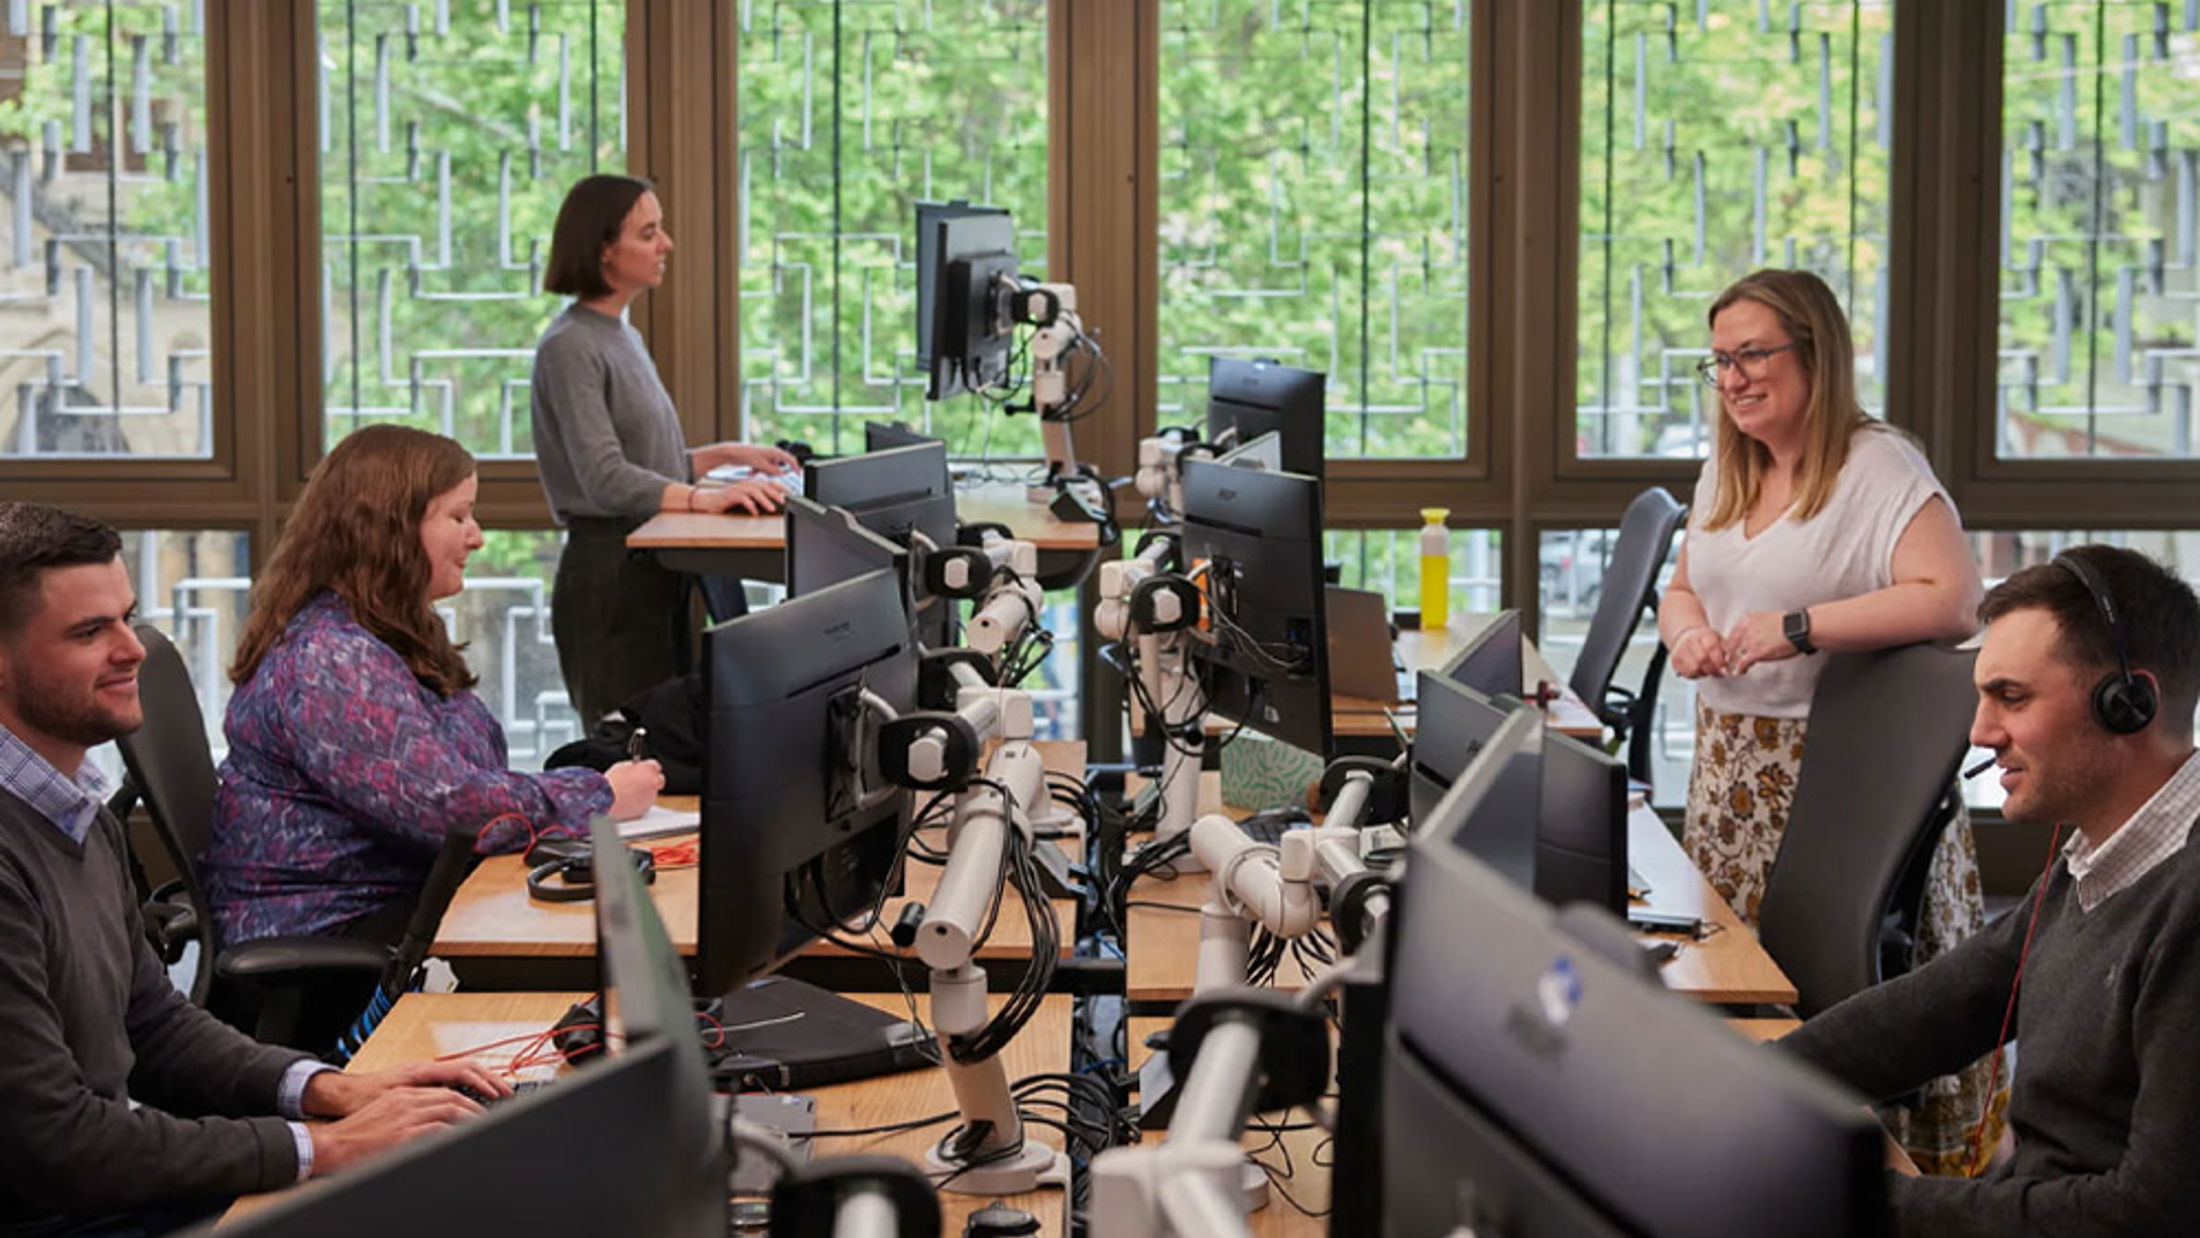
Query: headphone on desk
point(564, 870)
point(2123, 703)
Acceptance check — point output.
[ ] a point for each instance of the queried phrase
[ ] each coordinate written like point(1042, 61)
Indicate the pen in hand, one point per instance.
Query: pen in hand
point(637, 744)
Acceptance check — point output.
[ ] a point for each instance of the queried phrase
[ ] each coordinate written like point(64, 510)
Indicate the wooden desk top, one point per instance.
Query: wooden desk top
point(1425, 651)
point(424, 1025)
point(1727, 967)
point(491, 915)
point(994, 503)
point(1359, 717)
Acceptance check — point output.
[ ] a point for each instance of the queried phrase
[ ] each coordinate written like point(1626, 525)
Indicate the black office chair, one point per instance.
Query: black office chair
point(1887, 730)
point(265, 987)
point(1630, 587)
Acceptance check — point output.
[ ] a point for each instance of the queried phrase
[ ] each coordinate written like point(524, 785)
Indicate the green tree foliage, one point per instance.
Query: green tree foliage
point(850, 114)
point(1717, 138)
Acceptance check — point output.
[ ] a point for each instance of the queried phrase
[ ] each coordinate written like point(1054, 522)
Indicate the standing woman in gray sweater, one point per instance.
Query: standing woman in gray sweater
point(612, 454)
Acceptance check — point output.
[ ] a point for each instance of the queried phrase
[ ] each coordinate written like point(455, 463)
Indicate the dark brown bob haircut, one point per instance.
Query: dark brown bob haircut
point(594, 211)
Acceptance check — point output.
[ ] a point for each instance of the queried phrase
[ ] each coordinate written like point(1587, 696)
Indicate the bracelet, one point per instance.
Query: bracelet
point(691, 497)
point(1680, 635)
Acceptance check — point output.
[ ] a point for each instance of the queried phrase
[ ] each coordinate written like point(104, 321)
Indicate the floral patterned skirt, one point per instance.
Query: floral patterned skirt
point(1739, 792)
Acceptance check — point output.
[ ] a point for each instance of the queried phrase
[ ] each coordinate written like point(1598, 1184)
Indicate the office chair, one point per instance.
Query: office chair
point(1841, 906)
point(265, 987)
point(1630, 587)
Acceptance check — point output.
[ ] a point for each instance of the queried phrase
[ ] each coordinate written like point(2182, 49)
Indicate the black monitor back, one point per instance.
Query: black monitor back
point(962, 337)
point(1477, 781)
point(1578, 834)
point(793, 838)
point(1260, 535)
point(1254, 397)
point(884, 435)
point(1581, 848)
point(828, 545)
point(895, 493)
point(1533, 1087)
point(1490, 662)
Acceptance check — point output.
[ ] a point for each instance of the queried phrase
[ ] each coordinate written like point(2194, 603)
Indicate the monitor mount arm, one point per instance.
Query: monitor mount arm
point(1248, 1051)
point(1160, 475)
point(1151, 610)
point(1051, 310)
point(939, 752)
point(1277, 886)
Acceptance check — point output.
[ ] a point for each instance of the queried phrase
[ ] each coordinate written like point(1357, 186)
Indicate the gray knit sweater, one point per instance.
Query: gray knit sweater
point(87, 1015)
point(606, 435)
point(2106, 1099)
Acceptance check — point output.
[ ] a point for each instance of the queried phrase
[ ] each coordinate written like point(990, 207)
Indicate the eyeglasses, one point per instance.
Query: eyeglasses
point(1751, 361)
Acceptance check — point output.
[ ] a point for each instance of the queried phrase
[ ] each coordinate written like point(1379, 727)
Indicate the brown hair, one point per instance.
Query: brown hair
point(35, 538)
point(593, 212)
point(356, 532)
point(2157, 611)
point(1812, 318)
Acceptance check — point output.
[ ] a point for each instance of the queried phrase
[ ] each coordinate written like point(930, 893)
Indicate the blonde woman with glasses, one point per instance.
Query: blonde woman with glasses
point(1814, 529)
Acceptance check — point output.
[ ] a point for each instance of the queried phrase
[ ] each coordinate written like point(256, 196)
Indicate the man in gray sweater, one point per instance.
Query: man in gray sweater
point(2087, 682)
point(89, 1020)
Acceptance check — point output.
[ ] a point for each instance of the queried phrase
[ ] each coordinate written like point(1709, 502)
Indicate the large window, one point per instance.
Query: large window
point(449, 134)
point(1718, 138)
point(852, 112)
point(1313, 209)
point(103, 236)
point(2100, 228)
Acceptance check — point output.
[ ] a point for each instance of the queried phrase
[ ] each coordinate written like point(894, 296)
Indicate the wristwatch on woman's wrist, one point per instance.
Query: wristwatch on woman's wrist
point(1795, 625)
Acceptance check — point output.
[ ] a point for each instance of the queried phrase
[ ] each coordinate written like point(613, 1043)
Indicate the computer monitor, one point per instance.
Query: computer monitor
point(1490, 663)
point(881, 435)
point(1251, 397)
point(895, 493)
point(1477, 781)
point(966, 255)
point(638, 1149)
point(827, 545)
point(1265, 654)
point(799, 831)
point(1581, 846)
point(1534, 1087)
point(1579, 830)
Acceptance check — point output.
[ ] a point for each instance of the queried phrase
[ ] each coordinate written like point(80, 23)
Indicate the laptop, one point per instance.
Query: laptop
point(1360, 659)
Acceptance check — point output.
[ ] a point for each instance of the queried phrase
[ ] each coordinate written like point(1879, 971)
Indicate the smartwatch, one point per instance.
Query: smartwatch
point(1795, 625)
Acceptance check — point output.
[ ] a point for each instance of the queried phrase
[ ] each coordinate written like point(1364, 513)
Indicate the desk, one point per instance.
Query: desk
point(501, 938)
point(1357, 717)
point(424, 1025)
point(1727, 967)
point(754, 546)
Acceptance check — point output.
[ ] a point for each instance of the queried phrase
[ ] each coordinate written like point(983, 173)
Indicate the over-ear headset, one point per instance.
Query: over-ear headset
point(2123, 703)
point(563, 870)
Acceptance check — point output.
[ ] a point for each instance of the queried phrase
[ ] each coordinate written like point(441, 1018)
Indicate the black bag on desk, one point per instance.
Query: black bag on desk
point(672, 713)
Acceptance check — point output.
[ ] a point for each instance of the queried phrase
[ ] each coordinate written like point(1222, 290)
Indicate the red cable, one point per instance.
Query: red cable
point(1993, 1074)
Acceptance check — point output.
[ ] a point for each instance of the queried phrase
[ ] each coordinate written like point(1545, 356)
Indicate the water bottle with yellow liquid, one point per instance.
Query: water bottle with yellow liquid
point(1435, 569)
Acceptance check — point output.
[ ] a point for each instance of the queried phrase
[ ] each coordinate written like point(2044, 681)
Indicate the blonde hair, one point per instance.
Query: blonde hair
point(1812, 317)
point(356, 532)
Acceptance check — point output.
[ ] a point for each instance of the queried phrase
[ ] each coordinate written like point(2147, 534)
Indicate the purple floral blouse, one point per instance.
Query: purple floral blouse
point(343, 772)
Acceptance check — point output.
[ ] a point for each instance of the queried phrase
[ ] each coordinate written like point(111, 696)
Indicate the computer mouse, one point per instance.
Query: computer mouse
point(1661, 952)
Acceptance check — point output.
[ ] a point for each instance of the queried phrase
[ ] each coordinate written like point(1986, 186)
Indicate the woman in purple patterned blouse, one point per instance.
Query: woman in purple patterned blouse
point(353, 737)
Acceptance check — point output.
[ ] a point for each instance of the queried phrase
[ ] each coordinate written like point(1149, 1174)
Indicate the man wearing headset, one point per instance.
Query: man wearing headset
point(124, 1109)
point(2087, 679)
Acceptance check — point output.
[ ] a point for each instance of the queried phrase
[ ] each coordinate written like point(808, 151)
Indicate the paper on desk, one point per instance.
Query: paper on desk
point(659, 821)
